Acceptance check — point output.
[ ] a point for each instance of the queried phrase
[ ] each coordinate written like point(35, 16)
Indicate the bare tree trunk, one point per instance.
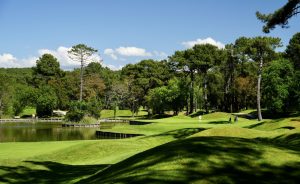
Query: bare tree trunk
point(81, 81)
point(192, 93)
point(205, 93)
point(259, 116)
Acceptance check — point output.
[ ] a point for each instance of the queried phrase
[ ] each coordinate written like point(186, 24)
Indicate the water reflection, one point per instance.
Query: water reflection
point(28, 132)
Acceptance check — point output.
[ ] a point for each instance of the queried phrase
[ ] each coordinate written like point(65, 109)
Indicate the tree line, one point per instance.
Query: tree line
point(249, 73)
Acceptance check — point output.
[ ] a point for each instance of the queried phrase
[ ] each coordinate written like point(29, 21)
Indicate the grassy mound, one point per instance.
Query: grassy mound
point(235, 132)
point(206, 160)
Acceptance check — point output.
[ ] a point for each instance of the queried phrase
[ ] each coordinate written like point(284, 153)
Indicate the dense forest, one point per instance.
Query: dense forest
point(249, 73)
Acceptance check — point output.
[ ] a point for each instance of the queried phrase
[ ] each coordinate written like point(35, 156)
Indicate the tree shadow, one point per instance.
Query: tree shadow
point(220, 122)
point(267, 114)
point(198, 113)
point(180, 133)
point(53, 172)
point(255, 125)
point(287, 127)
point(200, 159)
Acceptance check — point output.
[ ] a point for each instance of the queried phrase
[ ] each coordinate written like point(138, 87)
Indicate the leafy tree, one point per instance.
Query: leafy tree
point(24, 96)
point(293, 50)
point(280, 16)
point(214, 88)
point(47, 68)
point(6, 93)
point(94, 87)
point(245, 91)
point(143, 76)
point(76, 111)
point(81, 53)
point(94, 107)
point(170, 97)
point(260, 50)
point(46, 101)
point(205, 57)
point(278, 79)
point(182, 61)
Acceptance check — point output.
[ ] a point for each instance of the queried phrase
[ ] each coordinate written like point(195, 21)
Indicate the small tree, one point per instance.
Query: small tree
point(81, 53)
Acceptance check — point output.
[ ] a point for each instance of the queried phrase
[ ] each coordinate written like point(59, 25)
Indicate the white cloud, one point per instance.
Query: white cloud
point(113, 67)
point(209, 40)
point(127, 52)
point(160, 55)
point(9, 61)
point(122, 53)
point(132, 51)
point(61, 53)
point(111, 53)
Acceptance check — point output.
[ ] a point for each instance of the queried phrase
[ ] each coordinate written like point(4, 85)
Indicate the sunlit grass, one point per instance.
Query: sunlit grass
point(174, 149)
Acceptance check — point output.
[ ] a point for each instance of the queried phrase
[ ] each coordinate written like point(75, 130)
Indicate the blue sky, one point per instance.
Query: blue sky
point(126, 31)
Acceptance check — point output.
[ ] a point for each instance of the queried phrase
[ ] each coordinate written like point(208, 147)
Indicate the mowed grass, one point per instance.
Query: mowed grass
point(177, 149)
point(123, 114)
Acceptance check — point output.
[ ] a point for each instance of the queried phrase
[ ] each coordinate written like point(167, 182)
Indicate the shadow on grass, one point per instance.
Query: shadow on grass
point(203, 160)
point(180, 134)
point(53, 173)
point(255, 125)
point(198, 113)
point(291, 141)
point(266, 114)
point(220, 122)
point(287, 127)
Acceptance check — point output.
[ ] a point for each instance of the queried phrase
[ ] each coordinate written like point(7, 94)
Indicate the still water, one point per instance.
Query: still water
point(32, 132)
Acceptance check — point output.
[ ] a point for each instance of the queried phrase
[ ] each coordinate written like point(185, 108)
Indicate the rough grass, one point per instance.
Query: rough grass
point(177, 149)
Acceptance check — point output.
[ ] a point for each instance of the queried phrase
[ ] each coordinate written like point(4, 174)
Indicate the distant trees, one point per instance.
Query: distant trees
point(248, 73)
point(280, 16)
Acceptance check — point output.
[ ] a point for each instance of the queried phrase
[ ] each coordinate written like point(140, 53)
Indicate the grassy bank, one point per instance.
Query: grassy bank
point(174, 150)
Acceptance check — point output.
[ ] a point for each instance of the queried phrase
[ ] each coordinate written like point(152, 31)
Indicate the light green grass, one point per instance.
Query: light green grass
point(177, 149)
point(28, 111)
point(121, 114)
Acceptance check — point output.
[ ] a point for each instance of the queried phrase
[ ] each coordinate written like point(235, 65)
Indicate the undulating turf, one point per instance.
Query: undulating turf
point(174, 150)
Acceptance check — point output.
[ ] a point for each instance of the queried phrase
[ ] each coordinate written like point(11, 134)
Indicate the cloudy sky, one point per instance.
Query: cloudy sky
point(125, 31)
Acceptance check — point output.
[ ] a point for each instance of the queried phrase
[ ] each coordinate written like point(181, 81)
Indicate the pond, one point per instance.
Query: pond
point(41, 131)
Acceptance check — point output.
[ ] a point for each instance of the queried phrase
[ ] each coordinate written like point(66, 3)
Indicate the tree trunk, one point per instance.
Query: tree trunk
point(259, 116)
point(192, 93)
point(205, 93)
point(81, 81)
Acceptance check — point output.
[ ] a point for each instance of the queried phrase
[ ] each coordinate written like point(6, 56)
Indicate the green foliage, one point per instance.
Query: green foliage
point(76, 111)
point(47, 68)
point(280, 16)
point(141, 78)
point(24, 96)
point(293, 50)
point(46, 101)
point(81, 52)
point(277, 81)
point(94, 108)
point(167, 97)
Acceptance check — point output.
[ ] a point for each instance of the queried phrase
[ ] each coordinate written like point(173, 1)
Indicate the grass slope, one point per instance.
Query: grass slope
point(174, 150)
point(206, 160)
